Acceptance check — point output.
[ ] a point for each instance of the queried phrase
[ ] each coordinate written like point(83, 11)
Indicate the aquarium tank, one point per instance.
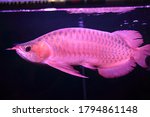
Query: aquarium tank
point(26, 20)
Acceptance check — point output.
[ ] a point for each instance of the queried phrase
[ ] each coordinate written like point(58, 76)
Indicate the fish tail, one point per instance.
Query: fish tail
point(140, 55)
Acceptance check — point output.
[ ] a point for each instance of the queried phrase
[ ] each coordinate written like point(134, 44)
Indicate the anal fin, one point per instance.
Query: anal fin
point(65, 68)
point(118, 70)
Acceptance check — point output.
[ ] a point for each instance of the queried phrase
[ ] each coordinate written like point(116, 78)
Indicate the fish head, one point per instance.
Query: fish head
point(33, 51)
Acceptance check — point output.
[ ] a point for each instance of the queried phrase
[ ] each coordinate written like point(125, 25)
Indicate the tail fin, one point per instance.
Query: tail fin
point(141, 54)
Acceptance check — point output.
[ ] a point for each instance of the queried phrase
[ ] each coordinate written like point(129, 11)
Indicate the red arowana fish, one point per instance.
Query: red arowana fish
point(113, 54)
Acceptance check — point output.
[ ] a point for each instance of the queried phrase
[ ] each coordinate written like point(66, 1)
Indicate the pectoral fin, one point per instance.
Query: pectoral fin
point(65, 68)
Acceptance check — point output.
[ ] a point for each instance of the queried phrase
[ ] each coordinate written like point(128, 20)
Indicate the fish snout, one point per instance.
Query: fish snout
point(13, 48)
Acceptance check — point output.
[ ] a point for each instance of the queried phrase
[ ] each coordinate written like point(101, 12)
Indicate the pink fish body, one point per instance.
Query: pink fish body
point(112, 54)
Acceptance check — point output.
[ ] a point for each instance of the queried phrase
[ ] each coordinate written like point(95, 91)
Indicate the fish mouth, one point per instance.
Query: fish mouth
point(13, 48)
point(18, 49)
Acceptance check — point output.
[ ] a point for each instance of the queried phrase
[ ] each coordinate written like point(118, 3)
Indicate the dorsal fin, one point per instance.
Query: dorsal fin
point(133, 38)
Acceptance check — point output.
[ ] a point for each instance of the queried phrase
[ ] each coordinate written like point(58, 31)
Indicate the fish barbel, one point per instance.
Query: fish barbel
point(112, 54)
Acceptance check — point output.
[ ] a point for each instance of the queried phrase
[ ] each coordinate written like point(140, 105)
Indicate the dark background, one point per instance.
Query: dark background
point(20, 79)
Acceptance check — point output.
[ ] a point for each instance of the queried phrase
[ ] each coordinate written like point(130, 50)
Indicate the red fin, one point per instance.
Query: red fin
point(141, 54)
point(66, 68)
point(117, 71)
point(132, 38)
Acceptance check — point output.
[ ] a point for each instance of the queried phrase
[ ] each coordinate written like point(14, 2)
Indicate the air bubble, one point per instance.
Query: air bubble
point(135, 21)
point(144, 23)
point(126, 22)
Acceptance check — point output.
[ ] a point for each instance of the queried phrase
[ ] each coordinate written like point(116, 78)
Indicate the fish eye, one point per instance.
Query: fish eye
point(28, 48)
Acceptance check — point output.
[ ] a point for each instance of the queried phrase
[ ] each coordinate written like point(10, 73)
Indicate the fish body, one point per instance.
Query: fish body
point(113, 54)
